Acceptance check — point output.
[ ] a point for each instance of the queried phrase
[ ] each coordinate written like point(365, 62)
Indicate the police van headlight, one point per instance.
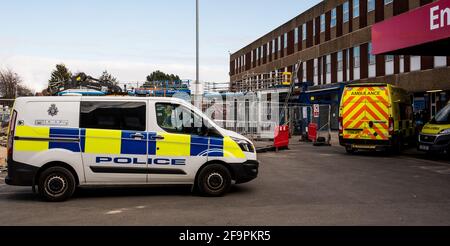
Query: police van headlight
point(245, 145)
point(445, 132)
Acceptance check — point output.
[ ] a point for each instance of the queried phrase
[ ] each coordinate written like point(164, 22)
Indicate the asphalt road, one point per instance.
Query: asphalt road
point(303, 186)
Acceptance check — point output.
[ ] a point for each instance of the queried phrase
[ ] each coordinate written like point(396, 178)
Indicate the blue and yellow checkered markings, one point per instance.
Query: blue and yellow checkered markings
point(62, 133)
point(199, 146)
point(232, 149)
point(215, 147)
point(99, 141)
point(117, 142)
point(132, 146)
point(83, 140)
point(174, 145)
point(151, 144)
point(31, 132)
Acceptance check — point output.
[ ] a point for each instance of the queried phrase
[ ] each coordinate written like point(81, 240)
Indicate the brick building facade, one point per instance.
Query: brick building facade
point(333, 41)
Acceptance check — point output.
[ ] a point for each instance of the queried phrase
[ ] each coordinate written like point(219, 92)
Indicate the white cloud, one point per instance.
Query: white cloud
point(35, 71)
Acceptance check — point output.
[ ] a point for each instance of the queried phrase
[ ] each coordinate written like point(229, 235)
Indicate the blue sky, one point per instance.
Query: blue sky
point(134, 37)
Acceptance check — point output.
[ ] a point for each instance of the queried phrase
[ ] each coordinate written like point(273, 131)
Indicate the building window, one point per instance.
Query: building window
point(262, 53)
point(244, 59)
point(304, 71)
point(129, 116)
point(328, 64)
point(296, 35)
point(251, 56)
point(333, 17)
point(440, 61)
point(356, 57)
point(386, 2)
point(346, 12)
point(415, 63)
point(285, 40)
point(316, 68)
point(389, 58)
point(370, 5)
point(322, 23)
point(314, 28)
point(268, 48)
point(328, 69)
point(372, 58)
point(340, 61)
point(273, 46)
point(304, 32)
point(355, 8)
point(257, 54)
point(279, 43)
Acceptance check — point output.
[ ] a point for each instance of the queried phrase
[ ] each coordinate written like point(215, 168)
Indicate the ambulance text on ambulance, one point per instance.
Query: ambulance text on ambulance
point(365, 93)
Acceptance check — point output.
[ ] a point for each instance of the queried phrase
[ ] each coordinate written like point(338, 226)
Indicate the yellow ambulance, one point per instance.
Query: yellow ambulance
point(435, 136)
point(375, 116)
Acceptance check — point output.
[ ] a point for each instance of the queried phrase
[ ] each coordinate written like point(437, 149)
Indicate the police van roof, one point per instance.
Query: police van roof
point(73, 98)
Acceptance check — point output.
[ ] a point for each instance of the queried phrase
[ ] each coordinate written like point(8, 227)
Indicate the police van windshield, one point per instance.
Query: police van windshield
point(443, 117)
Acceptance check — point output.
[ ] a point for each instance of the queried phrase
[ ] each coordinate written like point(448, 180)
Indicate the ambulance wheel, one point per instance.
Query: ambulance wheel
point(350, 150)
point(56, 184)
point(214, 180)
point(397, 148)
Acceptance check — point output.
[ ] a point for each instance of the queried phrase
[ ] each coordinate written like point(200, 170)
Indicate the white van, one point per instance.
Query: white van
point(60, 143)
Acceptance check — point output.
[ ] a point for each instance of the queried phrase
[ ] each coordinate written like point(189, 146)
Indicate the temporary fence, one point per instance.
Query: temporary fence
point(321, 119)
point(5, 113)
point(259, 120)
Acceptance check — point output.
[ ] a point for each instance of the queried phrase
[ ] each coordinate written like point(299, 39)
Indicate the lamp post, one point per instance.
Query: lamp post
point(197, 95)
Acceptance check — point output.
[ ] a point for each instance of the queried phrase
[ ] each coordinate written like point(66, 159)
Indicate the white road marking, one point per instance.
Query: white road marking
point(113, 212)
point(119, 211)
point(436, 169)
point(425, 161)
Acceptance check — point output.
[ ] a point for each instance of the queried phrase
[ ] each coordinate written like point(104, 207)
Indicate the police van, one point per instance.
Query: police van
point(61, 143)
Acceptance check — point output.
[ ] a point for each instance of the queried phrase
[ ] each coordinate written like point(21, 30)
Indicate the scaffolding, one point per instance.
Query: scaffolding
point(262, 81)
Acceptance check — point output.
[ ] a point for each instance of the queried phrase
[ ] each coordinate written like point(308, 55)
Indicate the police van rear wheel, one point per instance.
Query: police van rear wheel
point(56, 184)
point(214, 180)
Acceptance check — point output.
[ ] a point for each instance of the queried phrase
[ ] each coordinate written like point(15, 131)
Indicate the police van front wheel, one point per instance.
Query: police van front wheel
point(214, 180)
point(56, 184)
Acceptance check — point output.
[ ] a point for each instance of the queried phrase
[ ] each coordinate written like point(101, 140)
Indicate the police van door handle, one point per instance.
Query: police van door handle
point(137, 135)
point(157, 137)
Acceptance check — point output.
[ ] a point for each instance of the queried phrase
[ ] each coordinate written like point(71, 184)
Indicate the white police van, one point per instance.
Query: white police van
point(61, 143)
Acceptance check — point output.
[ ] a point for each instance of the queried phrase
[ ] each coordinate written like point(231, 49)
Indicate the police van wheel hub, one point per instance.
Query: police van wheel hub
point(56, 185)
point(215, 181)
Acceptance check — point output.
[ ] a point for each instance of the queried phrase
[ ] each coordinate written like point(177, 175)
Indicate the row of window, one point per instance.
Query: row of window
point(322, 67)
point(324, 64)
point(240, 62)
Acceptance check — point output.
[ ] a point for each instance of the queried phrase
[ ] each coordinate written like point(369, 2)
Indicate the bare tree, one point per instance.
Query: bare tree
point(11, 85)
